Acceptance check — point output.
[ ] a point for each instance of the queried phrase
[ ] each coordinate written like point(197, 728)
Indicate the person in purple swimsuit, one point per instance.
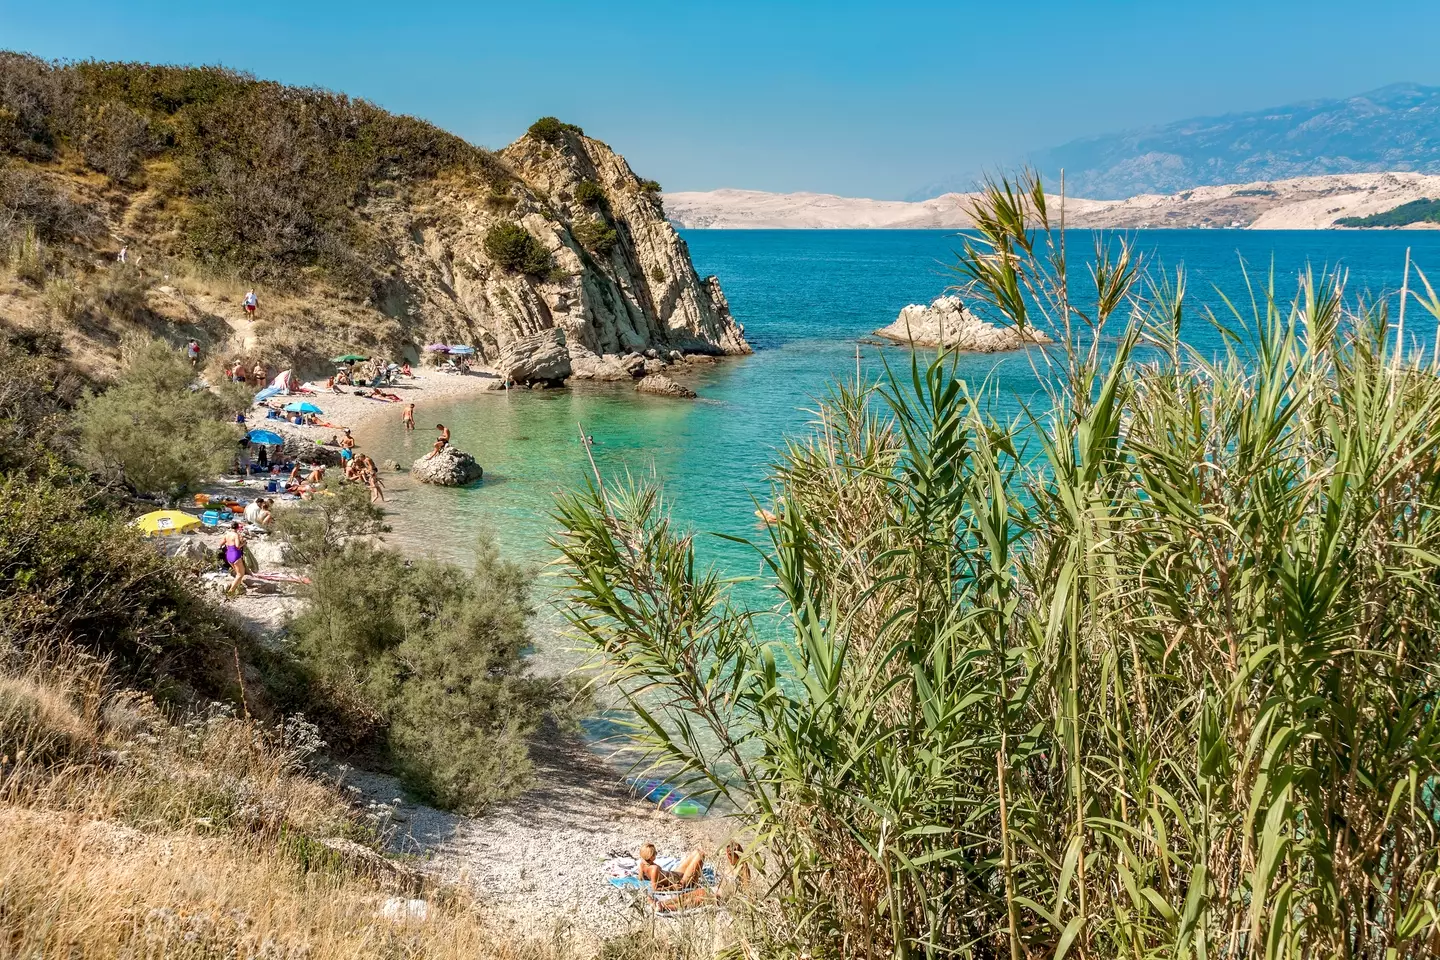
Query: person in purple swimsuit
point(234, 545)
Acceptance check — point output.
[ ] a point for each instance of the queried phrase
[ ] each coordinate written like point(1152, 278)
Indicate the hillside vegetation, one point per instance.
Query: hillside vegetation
point(1416, 211)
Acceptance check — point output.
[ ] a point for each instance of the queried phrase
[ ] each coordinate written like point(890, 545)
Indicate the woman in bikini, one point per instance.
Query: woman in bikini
point(661, 880)
point(234, 546)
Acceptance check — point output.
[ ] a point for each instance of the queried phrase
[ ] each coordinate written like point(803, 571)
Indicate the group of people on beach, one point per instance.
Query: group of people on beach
point(361, 467)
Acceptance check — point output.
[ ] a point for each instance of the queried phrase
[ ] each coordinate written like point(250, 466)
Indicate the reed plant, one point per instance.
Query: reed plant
point(1149, 671)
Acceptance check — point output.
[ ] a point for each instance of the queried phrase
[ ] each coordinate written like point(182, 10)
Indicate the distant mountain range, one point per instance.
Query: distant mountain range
point(1394, 128)
point(1301, 203)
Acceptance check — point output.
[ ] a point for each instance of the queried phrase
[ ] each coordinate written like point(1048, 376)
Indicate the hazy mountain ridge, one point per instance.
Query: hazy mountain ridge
point(1302, 203)
point(1394, 128)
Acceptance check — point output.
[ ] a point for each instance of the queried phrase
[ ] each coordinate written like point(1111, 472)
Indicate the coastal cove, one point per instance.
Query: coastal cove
point(805, 298)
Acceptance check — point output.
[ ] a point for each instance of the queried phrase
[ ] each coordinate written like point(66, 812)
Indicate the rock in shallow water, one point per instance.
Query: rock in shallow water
point(448, 468)
point(947, 321)
point(663, 386)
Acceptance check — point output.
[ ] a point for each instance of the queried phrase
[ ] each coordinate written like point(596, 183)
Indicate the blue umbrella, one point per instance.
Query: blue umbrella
point(301, 406)
point(462, 351)
point(266, 438)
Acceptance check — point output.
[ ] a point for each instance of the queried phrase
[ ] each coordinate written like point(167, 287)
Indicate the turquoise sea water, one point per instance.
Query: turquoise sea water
point(804, 297)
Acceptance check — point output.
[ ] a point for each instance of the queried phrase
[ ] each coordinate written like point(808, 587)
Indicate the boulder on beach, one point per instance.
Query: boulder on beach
point(947, 322)
point(539, 358)
point(662, 386)
point(448, 468)
point(303, 449)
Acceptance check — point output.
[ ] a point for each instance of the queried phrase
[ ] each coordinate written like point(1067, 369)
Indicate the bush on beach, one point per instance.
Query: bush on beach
point(153, 429)
point(429, 658)
point(1164, 686)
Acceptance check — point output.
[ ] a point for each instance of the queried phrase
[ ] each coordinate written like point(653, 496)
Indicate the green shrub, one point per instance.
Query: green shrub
point(513, 247)
point(595, 235)
point(434, 655)
point(319, 530)
point(152, 428)
point(657, 273)
point(37, 203)
point(588, 192)
point(551, 130)
point(651, 187)
point(76, 572)
point(114, 139)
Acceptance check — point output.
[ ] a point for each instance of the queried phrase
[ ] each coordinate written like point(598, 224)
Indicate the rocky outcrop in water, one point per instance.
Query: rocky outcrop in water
point(947, 322)
point(662, 386)
point(448, 468)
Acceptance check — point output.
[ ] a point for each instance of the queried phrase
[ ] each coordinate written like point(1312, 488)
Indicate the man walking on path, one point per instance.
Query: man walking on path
point(192, 352)
point(251, 302)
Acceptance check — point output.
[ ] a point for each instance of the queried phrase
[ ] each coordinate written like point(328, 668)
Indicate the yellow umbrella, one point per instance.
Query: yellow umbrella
point(162, 523)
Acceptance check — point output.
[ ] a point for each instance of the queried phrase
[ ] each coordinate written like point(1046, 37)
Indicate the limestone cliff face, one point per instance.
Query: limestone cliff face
point(632, 293)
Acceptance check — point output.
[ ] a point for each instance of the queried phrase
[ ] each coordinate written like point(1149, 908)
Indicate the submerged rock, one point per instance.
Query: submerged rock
point(947, 322)
point(448, 468)
point(662, 386)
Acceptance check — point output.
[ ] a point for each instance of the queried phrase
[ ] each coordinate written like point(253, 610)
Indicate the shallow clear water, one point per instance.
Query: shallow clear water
point(804, 297)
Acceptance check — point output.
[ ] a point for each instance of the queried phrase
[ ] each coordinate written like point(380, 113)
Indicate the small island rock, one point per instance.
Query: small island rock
point(448, 468)
point(947, 320)
point(663, 386)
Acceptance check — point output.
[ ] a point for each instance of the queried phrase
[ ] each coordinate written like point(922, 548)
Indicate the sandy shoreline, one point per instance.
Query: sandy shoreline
point(349, 409)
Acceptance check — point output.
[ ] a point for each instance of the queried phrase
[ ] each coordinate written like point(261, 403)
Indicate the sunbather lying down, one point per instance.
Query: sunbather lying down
point(685, 881)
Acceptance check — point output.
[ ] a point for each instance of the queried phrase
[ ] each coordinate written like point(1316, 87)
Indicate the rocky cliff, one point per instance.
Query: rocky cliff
point(631, 291)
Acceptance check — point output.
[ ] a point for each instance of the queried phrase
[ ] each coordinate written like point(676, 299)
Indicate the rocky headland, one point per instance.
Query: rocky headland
point(375, 234)
point(946, 322)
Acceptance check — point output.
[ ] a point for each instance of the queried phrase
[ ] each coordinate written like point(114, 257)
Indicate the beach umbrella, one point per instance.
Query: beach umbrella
point(348, 358)
point(464, 351)
point(266, 438)
point(162, 523)
point(302, 406)
point(438, 347)
point(266, 394)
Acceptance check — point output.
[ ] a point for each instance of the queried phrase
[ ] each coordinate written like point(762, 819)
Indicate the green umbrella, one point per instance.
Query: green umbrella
point(348, 358)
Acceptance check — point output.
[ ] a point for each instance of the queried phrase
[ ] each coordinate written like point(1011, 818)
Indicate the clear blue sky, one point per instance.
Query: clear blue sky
point(862, 99)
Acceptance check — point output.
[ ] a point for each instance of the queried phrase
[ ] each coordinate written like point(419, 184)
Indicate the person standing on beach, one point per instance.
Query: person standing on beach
point(234, 547)
point(407, 417)
point(259, 374)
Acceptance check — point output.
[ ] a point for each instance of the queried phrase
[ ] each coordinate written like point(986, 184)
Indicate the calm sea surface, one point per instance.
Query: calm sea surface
point(804, 297)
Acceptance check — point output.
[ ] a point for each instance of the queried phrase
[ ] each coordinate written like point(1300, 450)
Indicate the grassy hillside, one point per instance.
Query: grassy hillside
point(241, 173)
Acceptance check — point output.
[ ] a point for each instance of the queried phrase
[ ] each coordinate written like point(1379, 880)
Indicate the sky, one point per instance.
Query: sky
point(873, 99)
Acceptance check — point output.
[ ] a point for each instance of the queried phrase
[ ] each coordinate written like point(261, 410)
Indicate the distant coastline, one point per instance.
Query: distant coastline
point(1301, 203)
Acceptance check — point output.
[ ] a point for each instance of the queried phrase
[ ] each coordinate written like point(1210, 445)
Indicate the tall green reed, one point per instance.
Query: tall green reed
point(1163, 686)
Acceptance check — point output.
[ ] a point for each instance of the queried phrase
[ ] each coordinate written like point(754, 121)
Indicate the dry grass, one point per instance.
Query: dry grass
point(126, 832)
